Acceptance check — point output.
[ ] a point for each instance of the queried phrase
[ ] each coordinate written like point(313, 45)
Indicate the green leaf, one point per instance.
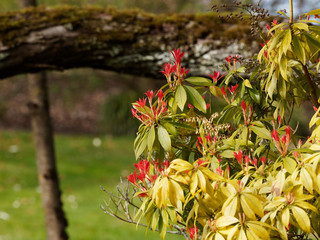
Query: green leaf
point(298, 50)
point(196, 99)
point(285, 217)
point(282, 88)
point(314, 118)
point(170, 128)
point(247, 83)
point(282, 13)
point(216, 91)
point(302, 218)
point(275, 41)
point(141, 145)
point(230, 207)
point(246, 208)
point(254, 95)
point(151, 138)
point(225, 221)
point(306, 180)
point(199, 81)
point(227, 154)
point(313, 12)
point(241, 69)
point(258, 229)
point(272, 85)
point(261, 132)
point(285, 44)
point(277, 26)
point(314, 44)
point(289, 164)
point(301, 26)
point(164, 138)
point(180, 97)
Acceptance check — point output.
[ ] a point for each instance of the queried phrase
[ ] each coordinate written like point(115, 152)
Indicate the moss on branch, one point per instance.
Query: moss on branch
point(130, 41)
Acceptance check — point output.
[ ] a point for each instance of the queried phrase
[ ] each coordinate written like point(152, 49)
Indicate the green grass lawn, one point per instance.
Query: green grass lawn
point(82, 169)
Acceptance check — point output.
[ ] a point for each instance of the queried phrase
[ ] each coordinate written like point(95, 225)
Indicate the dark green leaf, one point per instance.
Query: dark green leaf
point(196, 99)
point(254, 95)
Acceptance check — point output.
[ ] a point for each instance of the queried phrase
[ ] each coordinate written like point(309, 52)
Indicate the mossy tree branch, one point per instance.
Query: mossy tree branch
point(133, 42)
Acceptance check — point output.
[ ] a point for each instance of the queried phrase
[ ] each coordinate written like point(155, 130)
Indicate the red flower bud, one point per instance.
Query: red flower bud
point(283, 140)
point(268, 27)
point(275, 135)
point(166, 164)
point(244, 106)
point(149, 94)
point(160, 95)
point(254, 162)
point(288, 133)
point(238, 156)
point(193, 233)
point(279, 120)
point(223, 90)
point(247, 160)
point(200, 140)
point(208, 138)
point(134, 112)
point(177, 55)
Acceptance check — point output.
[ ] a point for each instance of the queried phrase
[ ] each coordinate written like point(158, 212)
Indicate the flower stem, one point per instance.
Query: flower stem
point(291, 11)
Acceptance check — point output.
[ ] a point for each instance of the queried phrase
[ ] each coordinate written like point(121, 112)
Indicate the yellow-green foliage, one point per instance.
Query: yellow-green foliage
point(239, 173)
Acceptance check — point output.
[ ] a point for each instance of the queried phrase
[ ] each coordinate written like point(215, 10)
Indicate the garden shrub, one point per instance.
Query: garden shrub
point(239, 173)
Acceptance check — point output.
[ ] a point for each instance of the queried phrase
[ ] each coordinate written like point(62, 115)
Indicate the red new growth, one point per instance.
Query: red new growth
point(223, 90)
point(268, 27)
point(149, 115)
point(177, 55)
point(193, 233)
point(168, 69)
point(149, 94)
point(238, 156)
point(275, 135)
point(244, 106)
point(216, 76)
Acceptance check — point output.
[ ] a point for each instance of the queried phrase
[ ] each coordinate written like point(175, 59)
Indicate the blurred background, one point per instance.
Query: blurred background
point(94, 135)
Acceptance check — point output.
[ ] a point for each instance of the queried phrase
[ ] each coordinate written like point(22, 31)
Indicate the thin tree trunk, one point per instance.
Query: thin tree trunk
point(56, 222)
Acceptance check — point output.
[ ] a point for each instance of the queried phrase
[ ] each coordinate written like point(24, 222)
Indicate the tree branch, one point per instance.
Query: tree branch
point(130, 41)
point(313, 93)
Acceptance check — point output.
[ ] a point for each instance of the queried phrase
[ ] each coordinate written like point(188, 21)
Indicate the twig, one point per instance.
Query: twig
point(121, 206)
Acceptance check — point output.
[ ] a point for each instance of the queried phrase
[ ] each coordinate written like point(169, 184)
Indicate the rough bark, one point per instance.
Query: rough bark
point(55, 219)
point(46, 163)
point(129, 41)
